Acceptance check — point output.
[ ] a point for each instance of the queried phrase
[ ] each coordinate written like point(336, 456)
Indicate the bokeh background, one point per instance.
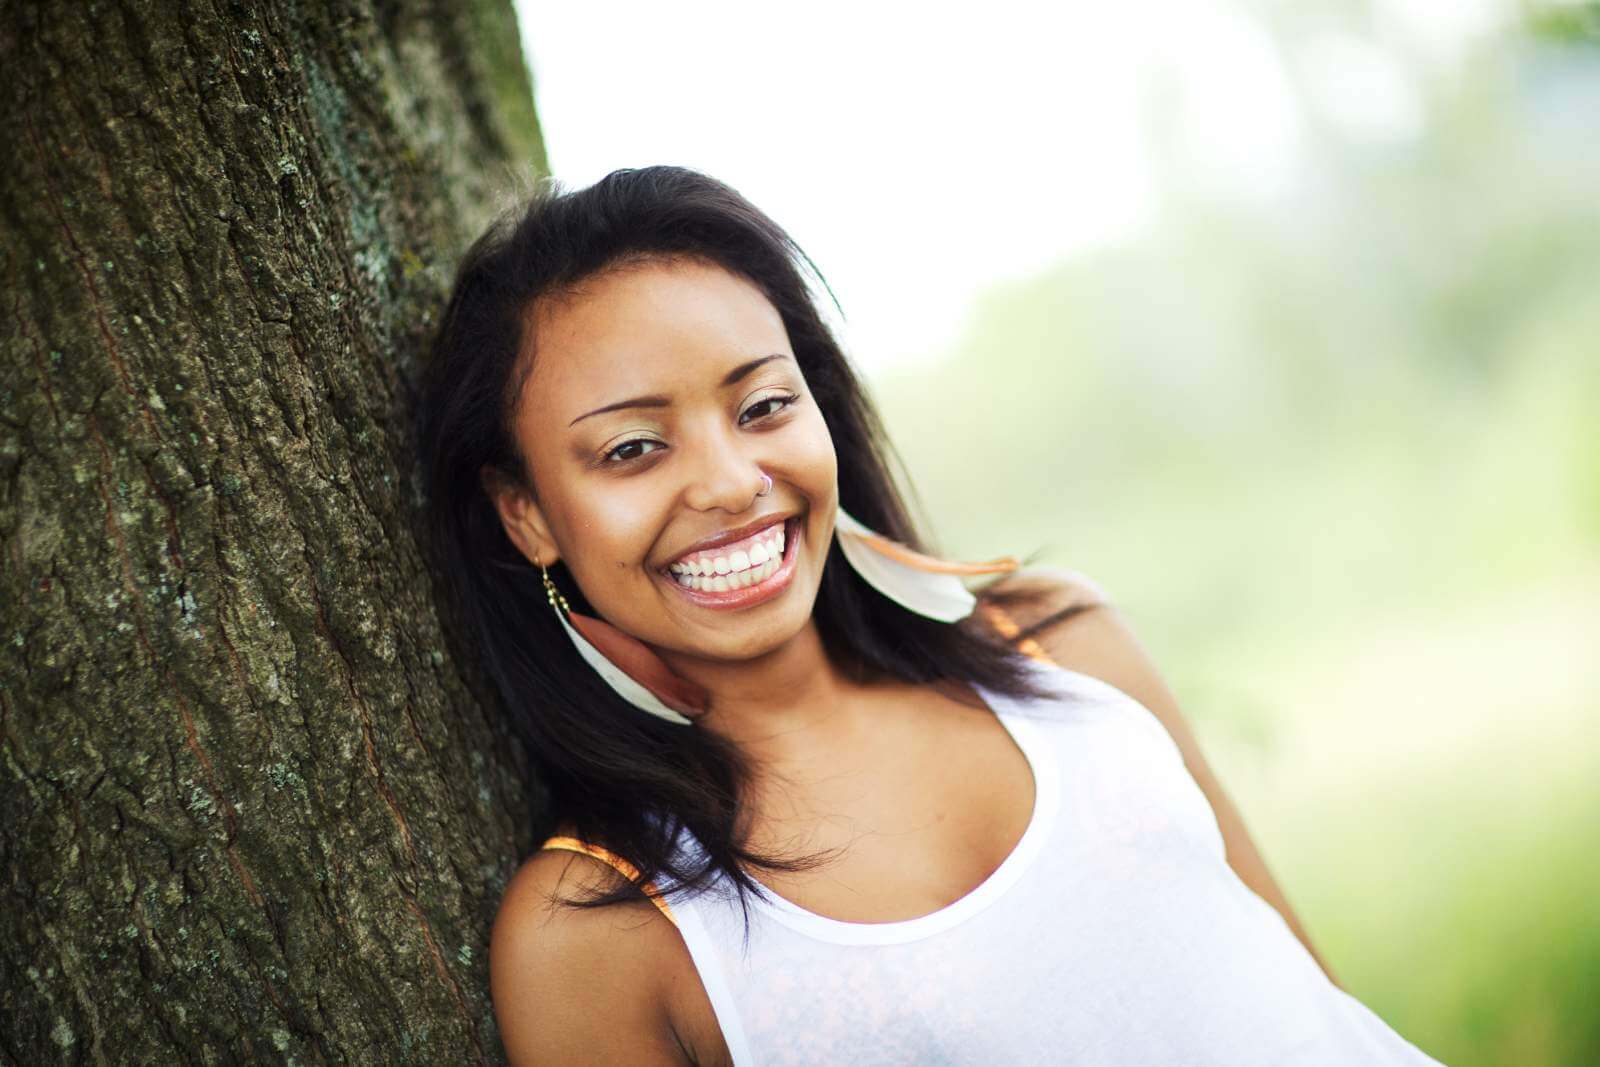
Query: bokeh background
point(1281, 321)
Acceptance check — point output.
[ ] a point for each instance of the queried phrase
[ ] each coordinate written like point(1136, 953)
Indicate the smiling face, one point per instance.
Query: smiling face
point(627, 490)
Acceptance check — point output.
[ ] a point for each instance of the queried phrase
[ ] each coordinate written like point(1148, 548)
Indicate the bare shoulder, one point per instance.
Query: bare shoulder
point(1045, 596)
point(1079, 626)
point(581, 985)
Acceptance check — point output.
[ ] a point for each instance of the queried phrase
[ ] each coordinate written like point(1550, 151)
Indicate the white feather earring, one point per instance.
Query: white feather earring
point(627, 664)
point(921, 583)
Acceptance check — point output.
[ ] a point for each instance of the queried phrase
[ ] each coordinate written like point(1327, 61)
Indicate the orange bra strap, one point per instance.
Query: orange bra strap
point(622, 866)
point(1009, 629)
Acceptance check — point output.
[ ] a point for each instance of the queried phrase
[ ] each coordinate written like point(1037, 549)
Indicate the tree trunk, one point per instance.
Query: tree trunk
point(254, 803)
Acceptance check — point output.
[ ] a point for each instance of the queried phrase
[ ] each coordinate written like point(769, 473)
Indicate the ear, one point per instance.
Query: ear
point(522, 519)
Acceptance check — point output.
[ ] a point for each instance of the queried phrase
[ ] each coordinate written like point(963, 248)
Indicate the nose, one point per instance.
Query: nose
point(723, 476)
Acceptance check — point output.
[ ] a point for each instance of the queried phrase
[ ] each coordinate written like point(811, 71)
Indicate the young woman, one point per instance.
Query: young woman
point(813, 800)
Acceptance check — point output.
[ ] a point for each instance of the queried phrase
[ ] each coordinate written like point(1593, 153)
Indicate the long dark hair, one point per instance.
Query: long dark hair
point(622, 778)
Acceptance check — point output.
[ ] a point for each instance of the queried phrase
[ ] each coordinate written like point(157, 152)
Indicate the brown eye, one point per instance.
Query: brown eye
point(785, 401)
point(626, 444)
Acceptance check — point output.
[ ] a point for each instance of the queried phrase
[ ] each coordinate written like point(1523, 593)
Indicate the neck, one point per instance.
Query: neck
point(778, 706)
point(809, 730)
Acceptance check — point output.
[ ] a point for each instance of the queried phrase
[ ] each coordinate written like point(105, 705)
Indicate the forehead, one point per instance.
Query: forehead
point(642, 326)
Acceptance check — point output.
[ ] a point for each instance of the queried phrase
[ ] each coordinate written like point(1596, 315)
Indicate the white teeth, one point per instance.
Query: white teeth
point(723, 583)
point(741, 561)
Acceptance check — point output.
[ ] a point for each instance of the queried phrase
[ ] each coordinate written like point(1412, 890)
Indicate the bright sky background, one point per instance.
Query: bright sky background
point(922, 153)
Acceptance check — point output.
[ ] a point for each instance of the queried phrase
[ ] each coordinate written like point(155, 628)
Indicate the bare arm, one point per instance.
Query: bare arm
point(580, 985)
point(1100, 643)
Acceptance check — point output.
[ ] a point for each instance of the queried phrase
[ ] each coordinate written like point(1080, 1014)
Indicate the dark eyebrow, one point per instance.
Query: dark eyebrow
point(656, 401)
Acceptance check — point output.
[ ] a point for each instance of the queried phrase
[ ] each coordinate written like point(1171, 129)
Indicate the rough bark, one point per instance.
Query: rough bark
point(254, 806)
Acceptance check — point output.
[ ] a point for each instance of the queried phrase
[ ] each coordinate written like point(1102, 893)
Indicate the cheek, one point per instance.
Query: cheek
point(810, 453)
point(606, 533)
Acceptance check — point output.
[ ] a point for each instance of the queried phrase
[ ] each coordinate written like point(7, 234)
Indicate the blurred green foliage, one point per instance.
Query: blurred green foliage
point(1572, 21)
point(1337, 456)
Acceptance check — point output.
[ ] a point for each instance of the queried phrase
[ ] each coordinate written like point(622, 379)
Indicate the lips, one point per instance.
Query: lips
point(750, 595)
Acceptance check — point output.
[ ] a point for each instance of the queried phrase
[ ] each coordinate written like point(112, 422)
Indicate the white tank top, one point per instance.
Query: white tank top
point(1114, 932)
